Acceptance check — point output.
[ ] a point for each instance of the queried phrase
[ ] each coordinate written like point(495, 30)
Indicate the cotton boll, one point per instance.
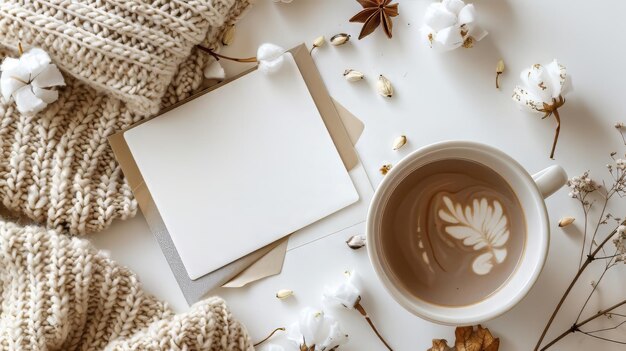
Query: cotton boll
point(214, 71)
point(451, 24)
point(30, 81)
point(270, 57)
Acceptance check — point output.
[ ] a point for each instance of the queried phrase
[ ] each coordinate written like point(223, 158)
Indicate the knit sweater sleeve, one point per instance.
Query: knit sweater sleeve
point(128, 49)
point(59, 293)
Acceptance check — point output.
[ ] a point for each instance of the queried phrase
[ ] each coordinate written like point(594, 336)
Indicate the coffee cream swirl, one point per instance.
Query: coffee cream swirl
point(481, 225)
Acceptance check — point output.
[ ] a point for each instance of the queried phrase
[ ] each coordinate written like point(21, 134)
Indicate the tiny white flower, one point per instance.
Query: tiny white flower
point(621, 163)
point(270, 57)
point(345, 294)
point(450, 24)
point(29, 79)
point(214, 71)
point(621, 230)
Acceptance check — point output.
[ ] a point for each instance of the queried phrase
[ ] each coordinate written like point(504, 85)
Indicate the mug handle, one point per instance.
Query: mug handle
point(550, 180)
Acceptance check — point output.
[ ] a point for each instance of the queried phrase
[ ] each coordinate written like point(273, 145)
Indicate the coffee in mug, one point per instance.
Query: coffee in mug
point(453, 232)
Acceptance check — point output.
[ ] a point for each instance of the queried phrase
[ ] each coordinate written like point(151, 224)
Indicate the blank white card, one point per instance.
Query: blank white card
point(240, 167)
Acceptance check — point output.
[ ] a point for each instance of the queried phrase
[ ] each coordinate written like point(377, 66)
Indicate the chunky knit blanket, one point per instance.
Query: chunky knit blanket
point(122, 60)
point(59, 293)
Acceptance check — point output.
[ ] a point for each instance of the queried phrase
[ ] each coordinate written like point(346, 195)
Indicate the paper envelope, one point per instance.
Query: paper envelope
point(344, 130)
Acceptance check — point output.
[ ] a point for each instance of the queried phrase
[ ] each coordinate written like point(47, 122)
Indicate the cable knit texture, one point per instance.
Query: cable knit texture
point(122, 60)
point(59, 293)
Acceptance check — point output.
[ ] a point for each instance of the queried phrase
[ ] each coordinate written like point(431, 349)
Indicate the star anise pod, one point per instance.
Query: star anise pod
point(375, 13)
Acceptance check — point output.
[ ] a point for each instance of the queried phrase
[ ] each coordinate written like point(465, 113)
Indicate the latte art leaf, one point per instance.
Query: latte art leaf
point(482, 226)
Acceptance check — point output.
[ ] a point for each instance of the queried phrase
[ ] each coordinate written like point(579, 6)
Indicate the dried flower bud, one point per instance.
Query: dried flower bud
point(384, 86)
point(619, 125)
point(319, 41)
point(284, 293)
point(384, 169)
point(499, 71)
point(500, 66)
point(356, 242)
point(229, 35)
point(339, 39)
point(399, 142)
point(352, 75)
point(565, 221)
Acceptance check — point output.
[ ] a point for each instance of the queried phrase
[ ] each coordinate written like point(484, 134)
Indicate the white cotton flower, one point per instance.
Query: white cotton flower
point(541, 85)
point(450, 24)
point(315, 329)
point(28, 80)
point(336, 337)
point(346, 294)
point(214, 71)
point(270, 57)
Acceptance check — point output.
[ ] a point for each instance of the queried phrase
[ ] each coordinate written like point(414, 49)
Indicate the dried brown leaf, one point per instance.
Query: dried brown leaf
point(473, 338)
point(440, 345)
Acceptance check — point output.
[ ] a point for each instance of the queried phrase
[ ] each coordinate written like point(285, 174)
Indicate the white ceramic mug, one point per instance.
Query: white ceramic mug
point(530, 191)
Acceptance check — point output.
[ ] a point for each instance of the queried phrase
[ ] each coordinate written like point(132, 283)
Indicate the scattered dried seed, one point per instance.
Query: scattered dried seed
point(384, 86)
point(284, 293)
point(565, 221)
point(339, 39)
point(356, 242)
point(399, 142)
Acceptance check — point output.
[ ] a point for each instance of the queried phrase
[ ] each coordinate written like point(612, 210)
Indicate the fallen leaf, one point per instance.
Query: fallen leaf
point(440, 345)
point(474, 338)
point(479, 339)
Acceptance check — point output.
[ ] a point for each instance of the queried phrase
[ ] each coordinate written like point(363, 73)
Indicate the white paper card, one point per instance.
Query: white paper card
point(240, 167)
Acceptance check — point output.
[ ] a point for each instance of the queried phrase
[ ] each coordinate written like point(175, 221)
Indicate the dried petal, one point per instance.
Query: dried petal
point(384, 86)
point(352, 75)
point(565, 221)
point(284, 293)
point(356, 242)
point(399, 142)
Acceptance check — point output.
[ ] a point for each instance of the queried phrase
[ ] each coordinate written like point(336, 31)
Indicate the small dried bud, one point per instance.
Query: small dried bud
point(339, 39)
point(500, 66)
point(384, 169)
point(384, 86)
point(284, 293)
point(352, 75)
point(499, 71)
point(229, 35)
point(399, 142)
point(619, 125)
point(565, 221)
point(356, 242)
point(319, 41)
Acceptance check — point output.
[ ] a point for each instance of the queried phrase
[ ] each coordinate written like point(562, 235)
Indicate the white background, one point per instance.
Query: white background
point(442, 96)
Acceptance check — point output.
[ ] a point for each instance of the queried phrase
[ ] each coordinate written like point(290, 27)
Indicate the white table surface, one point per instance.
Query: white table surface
point(443, 96)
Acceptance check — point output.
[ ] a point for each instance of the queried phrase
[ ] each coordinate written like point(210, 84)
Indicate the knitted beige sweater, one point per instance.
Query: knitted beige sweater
point(122, 60)
point(59, 293)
